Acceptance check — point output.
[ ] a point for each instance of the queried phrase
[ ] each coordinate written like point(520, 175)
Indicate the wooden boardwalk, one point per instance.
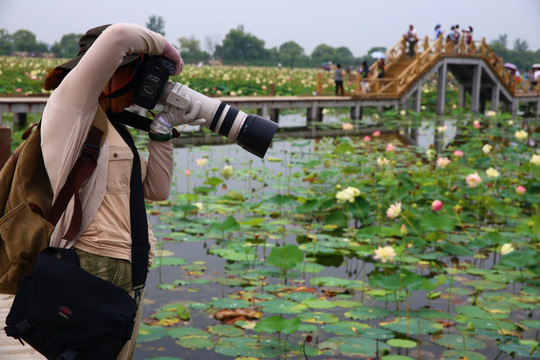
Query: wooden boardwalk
point(11, 349)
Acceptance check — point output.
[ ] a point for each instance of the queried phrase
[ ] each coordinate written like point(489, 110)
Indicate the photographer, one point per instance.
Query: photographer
point(98, 83)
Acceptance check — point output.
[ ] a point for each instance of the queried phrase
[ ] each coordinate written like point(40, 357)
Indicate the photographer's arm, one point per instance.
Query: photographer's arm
point(159, 170)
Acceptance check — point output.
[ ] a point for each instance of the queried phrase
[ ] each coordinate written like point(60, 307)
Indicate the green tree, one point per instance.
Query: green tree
point(25, 40)
point(68, 46)
point(239, 46)
point(344, 56)
point(502, 41)
point(289, 52)
point(521, 45)
point(190, 49)
point(157, 24)
point(6, 42)
point(323, 53)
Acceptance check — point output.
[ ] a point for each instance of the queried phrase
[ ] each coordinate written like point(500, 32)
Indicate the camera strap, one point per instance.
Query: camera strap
point(135, 121)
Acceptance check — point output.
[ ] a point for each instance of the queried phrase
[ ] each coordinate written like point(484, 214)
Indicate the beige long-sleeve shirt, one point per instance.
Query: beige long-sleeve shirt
point(66, 119)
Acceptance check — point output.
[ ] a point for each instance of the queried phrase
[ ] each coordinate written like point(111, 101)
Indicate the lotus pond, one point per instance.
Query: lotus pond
point(352, 247)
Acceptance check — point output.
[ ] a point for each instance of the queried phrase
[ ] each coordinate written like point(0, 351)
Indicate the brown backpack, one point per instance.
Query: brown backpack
point(28, 215)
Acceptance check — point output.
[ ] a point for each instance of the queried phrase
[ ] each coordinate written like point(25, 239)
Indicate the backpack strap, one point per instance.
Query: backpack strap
point(82, 169)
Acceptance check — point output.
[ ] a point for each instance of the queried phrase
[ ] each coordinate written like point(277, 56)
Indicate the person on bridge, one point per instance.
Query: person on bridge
point(438, 32)
point(97, 83)
point(412, 39)
point(364, 72)
point(338, 79)
point(380, 68)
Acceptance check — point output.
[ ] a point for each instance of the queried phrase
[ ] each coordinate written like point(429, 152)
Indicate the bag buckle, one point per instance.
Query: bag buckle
point(90, 150)
point(138, 294)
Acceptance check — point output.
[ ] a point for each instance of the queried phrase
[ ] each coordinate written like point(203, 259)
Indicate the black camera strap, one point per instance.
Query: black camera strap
point(136, 121)
point(140, 246)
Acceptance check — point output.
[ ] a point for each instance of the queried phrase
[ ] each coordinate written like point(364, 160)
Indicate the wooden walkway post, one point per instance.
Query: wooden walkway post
point(319, 84)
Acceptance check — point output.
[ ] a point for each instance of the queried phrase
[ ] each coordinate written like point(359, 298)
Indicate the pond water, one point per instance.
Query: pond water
point(195, 281)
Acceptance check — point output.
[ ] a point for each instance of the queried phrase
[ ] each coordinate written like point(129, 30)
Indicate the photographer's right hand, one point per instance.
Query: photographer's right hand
point(164, 122)
point(172, 54)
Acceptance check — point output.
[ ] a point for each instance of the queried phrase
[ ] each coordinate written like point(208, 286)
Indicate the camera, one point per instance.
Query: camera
point(252, 132)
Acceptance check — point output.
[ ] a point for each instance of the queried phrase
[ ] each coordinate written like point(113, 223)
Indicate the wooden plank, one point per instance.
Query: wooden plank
point(12, 349)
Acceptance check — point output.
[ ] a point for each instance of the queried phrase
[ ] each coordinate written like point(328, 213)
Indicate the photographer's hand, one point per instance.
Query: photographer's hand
point(165, 121)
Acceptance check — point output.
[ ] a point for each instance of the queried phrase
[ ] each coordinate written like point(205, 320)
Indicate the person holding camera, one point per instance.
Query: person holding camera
point(100, 82)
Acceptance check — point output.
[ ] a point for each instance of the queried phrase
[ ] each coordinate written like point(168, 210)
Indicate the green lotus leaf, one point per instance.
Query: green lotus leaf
point(462, 354)
point(187, 332)
point(285, 257)
point(168, 261)
point(533, 324)
point(397, 357)
point(226, 303)
point(456, 341)
point(225, 330)
point(195, 343)
point(282, 307)
point(402, 343)
point(151, 333)
point(247, 346)
point(366, 313)
point(344, 327)
point(473, 311)
point(355, 346)
point(412, 325)
point(277, 323)
point(331, 281)
point(318, 317)
point(319, 304)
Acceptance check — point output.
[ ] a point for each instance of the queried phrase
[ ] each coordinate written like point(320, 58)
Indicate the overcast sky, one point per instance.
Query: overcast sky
point(356, 24)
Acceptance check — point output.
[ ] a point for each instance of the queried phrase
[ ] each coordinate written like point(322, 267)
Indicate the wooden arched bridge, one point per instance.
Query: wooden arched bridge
point(475, 67)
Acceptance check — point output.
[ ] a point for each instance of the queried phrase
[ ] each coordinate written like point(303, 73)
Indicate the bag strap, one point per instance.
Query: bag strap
point(82, 169)
point(139, 222)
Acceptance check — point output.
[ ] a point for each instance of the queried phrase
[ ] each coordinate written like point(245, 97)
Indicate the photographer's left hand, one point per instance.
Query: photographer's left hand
point(165, 121)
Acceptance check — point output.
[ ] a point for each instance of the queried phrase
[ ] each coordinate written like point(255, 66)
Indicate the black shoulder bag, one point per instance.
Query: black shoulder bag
point(66, 313)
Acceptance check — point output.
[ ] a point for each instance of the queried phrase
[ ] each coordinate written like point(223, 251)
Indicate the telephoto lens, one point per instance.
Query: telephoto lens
point(252, 132)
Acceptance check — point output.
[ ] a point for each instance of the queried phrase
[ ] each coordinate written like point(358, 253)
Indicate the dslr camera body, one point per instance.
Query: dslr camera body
point(252, 132)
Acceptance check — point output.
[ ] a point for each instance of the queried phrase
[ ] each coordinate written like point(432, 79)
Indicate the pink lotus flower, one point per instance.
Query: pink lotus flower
point(390, 147)
point(187, 172)
point(394, 210)
point(443, 162)
point(385, 254)
point(458, 153)
point(201, 161)
point(437, 205)
point(376, 133)
point(367, 138)
point(520, 190)
point(473, 180)
point(347, 126)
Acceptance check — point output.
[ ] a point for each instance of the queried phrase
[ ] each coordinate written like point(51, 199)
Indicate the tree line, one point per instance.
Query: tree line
point(241, 47)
